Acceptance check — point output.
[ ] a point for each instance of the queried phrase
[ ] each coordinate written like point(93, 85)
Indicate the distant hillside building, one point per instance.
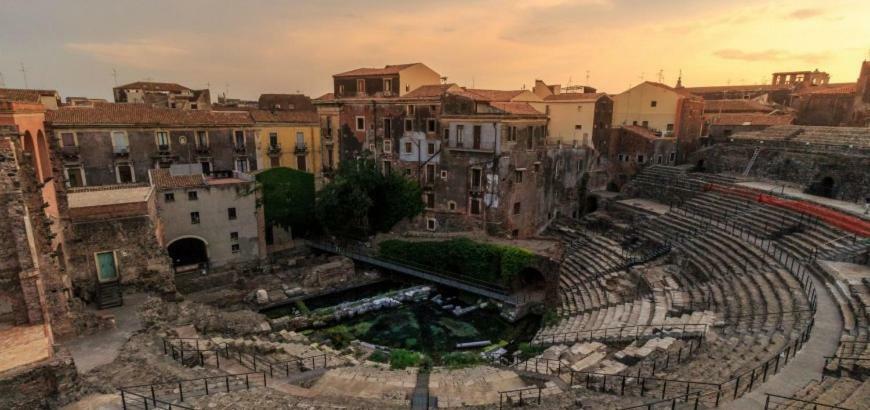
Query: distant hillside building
point(163, 95)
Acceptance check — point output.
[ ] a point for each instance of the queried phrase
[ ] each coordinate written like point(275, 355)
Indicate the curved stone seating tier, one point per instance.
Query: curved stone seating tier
point(843, 392)
point(391, 386)
point(473, 386)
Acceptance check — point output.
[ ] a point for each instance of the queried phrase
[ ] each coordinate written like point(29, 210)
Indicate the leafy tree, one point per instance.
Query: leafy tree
point(288, 199)
point(361, 200)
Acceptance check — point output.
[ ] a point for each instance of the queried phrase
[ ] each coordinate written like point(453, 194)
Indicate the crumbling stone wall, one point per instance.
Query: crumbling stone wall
point(48, 384)
point(849, 173)
point(34, 288)
point(141, 261)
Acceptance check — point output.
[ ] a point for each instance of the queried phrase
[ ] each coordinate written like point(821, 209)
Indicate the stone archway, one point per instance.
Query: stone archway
point(188, 253)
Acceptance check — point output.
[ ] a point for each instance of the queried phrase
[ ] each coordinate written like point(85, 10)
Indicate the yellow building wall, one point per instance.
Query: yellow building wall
point(287, 141)
point(634, 105)
point(565, 116)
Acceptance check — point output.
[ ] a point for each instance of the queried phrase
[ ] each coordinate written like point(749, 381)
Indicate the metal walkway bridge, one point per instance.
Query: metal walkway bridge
point(481, 288)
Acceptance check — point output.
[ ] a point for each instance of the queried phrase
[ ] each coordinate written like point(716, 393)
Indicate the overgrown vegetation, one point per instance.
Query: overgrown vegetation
point(527, 350)
point(340, 336)
point(288, 199)
point(481, 261)
point(401, 358)
point(361, 200)
point(455, 360)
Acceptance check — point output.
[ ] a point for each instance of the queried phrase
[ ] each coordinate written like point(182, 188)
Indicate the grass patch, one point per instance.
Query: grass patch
point(455, 360)
point(401, 359)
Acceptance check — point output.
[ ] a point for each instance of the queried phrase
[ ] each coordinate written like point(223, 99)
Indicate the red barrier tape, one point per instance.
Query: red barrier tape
point(841, 220)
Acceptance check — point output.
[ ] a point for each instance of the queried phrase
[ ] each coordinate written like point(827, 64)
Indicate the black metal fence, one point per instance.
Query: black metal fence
point(165, 395)
point(520, 397)
point(774, 401)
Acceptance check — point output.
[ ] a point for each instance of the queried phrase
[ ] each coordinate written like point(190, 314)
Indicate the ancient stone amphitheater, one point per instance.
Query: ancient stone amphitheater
point(689, 290)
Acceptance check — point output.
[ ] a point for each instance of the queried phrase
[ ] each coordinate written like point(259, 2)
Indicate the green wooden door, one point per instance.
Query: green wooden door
point(106, 269)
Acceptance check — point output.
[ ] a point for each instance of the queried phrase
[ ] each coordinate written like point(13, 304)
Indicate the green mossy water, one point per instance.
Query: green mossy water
point(427, 328)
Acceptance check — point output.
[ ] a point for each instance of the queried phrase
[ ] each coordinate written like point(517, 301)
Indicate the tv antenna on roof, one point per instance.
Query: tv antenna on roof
point(115, 76)
point(661, 75)
point(2, 81)
point(587, 78)
point(24, 74)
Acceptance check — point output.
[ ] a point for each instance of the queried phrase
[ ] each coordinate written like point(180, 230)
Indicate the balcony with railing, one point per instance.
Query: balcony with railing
point(240, 150)
point(121, 152)
point(70, 153)
point(203, 150)
point(274, 149)
point(300, 148)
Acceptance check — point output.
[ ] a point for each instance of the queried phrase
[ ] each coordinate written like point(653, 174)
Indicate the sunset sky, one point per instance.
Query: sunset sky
point(284, 46)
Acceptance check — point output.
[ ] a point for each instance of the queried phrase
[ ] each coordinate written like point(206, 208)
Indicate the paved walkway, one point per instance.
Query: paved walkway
point(102, 347)
point(788, 192)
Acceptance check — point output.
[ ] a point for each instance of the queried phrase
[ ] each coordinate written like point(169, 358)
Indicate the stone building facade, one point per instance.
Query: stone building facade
point(113, 239)
point(575, 118)
point(208, 221)
point(666, 111)
point(107, 143)
point(495, 171)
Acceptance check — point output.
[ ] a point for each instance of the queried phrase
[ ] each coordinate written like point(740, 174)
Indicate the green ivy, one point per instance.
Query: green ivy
point(481, 261)
point(288, 199)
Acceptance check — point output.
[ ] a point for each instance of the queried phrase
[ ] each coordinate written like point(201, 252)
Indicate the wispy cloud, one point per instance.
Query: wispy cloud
point(803, 14)
point(770, 55)
point(145, 53)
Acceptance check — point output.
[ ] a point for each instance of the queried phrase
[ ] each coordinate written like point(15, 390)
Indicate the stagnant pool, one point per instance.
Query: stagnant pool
point(424, 326)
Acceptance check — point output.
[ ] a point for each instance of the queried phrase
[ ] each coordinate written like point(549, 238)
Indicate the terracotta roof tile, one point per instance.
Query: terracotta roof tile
point(143, 114)
point(24, 95)
point(289, 102)
point(428, 91)
point(387, 70)
point(154, 86)
point(641, 131)
point(840, 88)
point(736, 105)
point(163, 179)
point(285, 116)
point(735, 88)
point(326, 97)
point(575, 97)
point(518, 108)
point(493, 95)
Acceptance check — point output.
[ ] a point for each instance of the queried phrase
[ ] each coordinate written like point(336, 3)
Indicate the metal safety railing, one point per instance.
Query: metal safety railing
point(164, 395)
point(775, 401)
